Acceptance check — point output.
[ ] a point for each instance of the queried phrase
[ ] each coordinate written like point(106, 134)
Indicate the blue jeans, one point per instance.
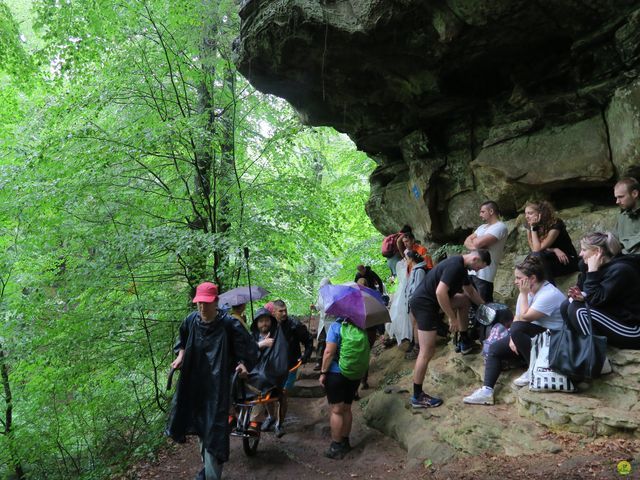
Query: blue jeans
point(392, 262)
point(212, 468)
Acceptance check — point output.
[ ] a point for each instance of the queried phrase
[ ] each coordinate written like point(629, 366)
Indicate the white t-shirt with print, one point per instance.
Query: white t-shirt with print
point(500, 231)
point(547, 300)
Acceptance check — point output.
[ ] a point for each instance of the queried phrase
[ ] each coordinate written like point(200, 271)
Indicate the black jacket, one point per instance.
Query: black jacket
point(296, 333)
point(201, 403)
point(372, 278)
point(273, 362)
point(615, 289)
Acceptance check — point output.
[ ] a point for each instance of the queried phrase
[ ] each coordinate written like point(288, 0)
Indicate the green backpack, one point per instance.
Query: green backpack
point(354, 351)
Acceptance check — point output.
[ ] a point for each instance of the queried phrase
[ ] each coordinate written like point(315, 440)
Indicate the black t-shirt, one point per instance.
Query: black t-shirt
point(563, 242)
point(451, 271)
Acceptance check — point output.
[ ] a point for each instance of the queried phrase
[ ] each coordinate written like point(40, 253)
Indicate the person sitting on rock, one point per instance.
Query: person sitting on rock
point(537, 309)
point(611, 287)
point(446, 287)
point(549, 239)
point(627, 193)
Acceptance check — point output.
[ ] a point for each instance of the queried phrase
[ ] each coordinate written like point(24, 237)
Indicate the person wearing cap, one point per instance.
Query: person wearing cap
point(211, 345)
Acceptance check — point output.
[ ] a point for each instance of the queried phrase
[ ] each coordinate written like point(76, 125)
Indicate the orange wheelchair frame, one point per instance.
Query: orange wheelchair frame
point(241, 423)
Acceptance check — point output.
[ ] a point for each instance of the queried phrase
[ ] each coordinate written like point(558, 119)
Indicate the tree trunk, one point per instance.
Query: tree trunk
point(16, 465)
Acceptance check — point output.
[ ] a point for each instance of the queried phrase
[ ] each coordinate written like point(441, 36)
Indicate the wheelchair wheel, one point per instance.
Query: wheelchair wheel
point(250, 445)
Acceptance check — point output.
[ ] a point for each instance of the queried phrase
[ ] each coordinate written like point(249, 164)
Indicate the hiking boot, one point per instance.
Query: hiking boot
point(412, 355)
point(388, 342)
point(268, 424)
point(336, 451)
point(279, 431)
point(522, 380)
point(346, 446)
point(317, 367)
point(482, 396)
point(465, 347)
point(425, 401)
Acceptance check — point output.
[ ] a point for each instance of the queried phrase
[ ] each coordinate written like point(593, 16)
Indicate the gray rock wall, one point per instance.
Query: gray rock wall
point(459, 101)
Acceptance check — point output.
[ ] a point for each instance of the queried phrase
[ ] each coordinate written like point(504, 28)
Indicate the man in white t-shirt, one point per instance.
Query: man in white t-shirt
point(491, 235)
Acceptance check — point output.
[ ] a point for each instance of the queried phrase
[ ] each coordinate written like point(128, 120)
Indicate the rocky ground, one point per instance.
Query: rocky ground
point(452, 442)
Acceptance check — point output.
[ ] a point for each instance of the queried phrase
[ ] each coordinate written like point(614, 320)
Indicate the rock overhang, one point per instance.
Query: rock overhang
point(458, 99)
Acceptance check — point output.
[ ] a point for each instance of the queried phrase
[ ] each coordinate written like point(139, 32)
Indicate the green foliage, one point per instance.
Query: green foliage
point(134, 163)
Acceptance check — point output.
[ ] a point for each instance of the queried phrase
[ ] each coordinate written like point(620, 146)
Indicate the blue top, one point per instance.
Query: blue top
point(333, 336)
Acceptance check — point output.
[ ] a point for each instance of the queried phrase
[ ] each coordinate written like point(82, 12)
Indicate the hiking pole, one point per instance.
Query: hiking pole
point(246, 257)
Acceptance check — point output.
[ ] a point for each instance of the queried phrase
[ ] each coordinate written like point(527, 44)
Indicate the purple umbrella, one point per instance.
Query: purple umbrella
point(362, 305)
point(240, 295)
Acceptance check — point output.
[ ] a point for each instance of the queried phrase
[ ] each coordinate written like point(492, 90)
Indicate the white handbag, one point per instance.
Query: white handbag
point(541, 377)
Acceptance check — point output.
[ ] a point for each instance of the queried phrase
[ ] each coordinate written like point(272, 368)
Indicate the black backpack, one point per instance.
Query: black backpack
point(488, 315)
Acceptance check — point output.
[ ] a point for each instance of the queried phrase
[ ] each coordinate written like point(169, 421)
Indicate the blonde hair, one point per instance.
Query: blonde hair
point(607, 241)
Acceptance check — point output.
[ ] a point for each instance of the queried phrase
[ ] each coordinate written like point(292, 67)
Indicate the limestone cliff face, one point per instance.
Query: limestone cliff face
point(459, 101)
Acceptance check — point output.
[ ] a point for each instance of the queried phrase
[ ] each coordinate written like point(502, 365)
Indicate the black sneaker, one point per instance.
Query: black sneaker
point(279, 431)
point(425, 401)
point(465, 346)
point(336, 451)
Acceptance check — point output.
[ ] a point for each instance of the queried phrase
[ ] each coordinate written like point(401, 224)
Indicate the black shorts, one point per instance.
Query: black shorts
point(340, 389)
point(426, 318)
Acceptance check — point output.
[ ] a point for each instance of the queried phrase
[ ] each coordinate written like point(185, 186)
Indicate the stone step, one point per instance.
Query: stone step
point(307, 372)
point(609, 405)
point(307, 388)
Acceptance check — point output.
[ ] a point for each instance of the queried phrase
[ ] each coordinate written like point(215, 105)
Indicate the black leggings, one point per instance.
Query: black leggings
point(618, 334)
point(521, 333)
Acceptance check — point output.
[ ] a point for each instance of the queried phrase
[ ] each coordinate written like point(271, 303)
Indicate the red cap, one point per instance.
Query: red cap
point(270, 306)
point(206, 292)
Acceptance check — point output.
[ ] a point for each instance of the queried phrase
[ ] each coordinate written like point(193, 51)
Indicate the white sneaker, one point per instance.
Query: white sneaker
point(522, 380)
point(606, 367)
point(482, 396)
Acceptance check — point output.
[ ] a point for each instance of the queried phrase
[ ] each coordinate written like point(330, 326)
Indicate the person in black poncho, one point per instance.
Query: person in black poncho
point(211, 346)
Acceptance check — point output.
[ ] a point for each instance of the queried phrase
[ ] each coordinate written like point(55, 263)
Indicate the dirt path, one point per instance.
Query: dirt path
point(297, 455)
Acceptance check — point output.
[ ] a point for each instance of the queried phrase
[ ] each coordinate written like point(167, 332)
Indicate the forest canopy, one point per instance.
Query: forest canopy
point(135, 163)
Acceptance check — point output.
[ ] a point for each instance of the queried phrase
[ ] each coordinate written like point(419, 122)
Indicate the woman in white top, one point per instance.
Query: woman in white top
point(537, 309)
point(400, 326)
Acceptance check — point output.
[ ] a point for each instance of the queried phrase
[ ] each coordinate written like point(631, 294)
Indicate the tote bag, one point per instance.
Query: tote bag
point(581, 357)
point(542, 378)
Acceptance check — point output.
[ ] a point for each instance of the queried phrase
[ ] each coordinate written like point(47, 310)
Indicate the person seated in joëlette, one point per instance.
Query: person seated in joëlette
point(611, 287)
point(537, 309)
point(549, 239)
